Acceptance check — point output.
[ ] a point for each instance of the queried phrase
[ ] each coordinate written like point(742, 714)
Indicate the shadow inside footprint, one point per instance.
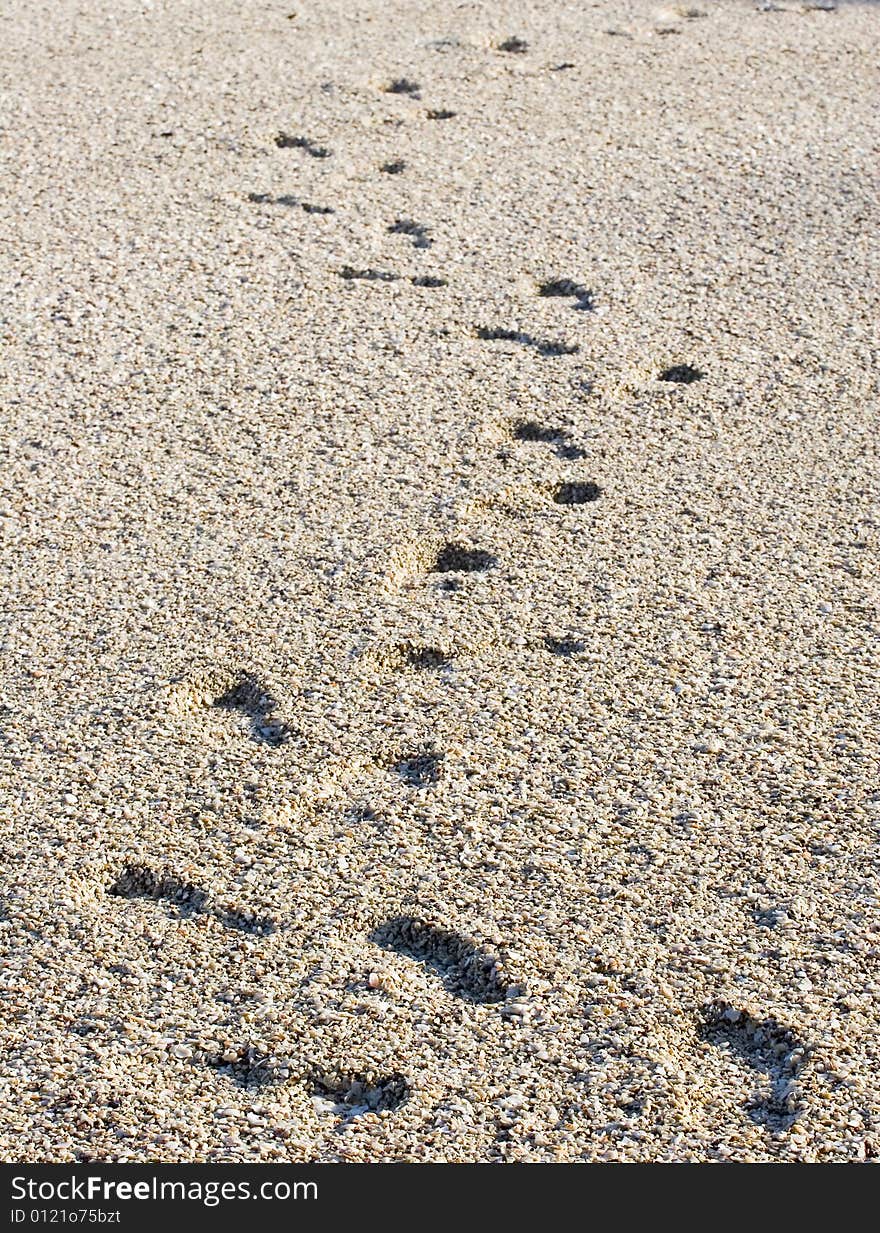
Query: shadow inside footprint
point(422, 658)
point(515, 45)
point(544, 346)
point(368, 275)
point(248, 697)
point(352, 1095)
point(250, 1069)
point(285, 142)
point(247, 922)
point(418, 232)
point(531, 431)
point(564, 646)
point(681, 374)
point(286, 199)
point(576, 493)
point(565, 288)
point(467, 969)
point(767, 1047)
point(458, 559)
point(402, 85)
point(419, 769)
point(141, 882)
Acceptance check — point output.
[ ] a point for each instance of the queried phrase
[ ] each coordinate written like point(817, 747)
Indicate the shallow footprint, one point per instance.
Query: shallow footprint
point(348, 1096)
point(565, 288)
point(233, 690)
point(467, 969)
point(571, 492)
point(419, 768)
point(162, 886)
point(249, 697)
point(767, 1047)
point(544, 346)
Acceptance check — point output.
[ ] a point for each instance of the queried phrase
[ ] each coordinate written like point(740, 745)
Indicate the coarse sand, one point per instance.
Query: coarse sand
point(439, 687)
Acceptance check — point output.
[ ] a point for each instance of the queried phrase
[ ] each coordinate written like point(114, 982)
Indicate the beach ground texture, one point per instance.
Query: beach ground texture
point(439, 541)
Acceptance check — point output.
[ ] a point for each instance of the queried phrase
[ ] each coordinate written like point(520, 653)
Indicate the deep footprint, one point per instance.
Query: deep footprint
point(515, 45)
point(141, 882)
point(564, 646)
point(765, 1046)
point(530, 430)
point(420, 658)
point(467, 969)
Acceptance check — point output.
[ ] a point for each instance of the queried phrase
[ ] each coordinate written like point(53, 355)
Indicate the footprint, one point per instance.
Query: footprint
point(530, 430)
point(406, 226)
point(542, 346)
point(565, 288)
point(234, 690)
point(439, 113)
point(456, 558)
point(564, 646)
point(394, 168)
point(428, 280)
point(142, 882)
point(575, 492)
point(467, 969)
point(407, 657)
point(402, 85)
point(420, 768)
point(681, 374)
point(348, 1096)
point(285, 142)
point(248, 1068)
point(677, 12)
point(765, 1046)
point(369, 275)
point(287, 200)
point(515, 45)
point(248, 697)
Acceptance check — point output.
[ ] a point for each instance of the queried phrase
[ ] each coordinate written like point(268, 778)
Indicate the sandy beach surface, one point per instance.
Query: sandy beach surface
point(439, 695)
